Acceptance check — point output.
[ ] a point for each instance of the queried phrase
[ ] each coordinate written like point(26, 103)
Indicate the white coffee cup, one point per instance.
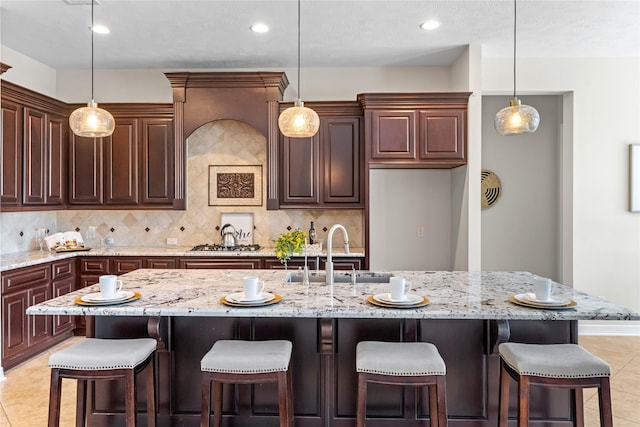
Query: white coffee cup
point(399, 288)
point(110, 286)
point(542, 288)
point(253, 287)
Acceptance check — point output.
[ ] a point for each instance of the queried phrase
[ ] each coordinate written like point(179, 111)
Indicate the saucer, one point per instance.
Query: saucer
point(97, 297)
point(133, 297)
point(531, 298)
point(410, 299)
point(274, 299)
point(421, 302)
point(521, 300)
point(239, 298)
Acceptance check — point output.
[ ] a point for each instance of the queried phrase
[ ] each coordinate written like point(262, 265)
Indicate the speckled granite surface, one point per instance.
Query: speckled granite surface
point(452, 295)
point(25, 259)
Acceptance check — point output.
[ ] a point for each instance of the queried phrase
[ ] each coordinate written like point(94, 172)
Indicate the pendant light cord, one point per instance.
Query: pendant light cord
point(92, 98)
point(299, 85)
point(514, 48)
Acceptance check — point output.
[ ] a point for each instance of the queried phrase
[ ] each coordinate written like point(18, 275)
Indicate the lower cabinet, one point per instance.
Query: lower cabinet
point(233, 263)
point(25, 336)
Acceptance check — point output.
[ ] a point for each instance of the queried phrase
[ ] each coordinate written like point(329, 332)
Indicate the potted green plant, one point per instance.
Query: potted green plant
point(288, 244)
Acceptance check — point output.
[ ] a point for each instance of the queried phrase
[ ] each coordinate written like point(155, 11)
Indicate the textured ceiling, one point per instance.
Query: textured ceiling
point(215, 34)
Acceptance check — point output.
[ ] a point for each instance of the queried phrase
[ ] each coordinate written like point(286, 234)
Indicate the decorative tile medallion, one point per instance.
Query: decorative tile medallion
point(235, 185)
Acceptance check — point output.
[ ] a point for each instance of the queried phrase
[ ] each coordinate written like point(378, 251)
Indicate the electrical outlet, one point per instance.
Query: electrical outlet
point(172, 241)
point(420, 231)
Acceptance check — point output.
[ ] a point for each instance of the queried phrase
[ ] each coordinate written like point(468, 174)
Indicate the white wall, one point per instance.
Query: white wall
point(606, 108)
point(319, 84)
point(520, 232)
point(28, 73)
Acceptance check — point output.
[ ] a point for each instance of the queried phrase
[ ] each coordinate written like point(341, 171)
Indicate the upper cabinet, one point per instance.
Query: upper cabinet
point(326, 170)
point(415, 129)
point(34, 132)
point(133, 167)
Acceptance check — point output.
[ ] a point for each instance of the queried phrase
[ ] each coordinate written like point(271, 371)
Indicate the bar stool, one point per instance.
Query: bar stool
point(103, 359)
point(554, 366)
point(246, 362)
point(402, 363)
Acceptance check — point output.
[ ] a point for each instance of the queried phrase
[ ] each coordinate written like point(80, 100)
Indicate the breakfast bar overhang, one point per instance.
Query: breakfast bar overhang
point(467, 316)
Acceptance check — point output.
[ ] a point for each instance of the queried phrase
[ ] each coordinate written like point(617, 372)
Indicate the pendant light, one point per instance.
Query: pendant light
point(298, 121)
point(91, 121)
point(516, 118)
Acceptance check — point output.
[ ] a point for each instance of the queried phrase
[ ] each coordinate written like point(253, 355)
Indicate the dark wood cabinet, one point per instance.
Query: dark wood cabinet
point(343, 263)
point(34, 158)
point(292, 264)
point(422, 130)
point(326, 170)
point(11, 152)
point(133, 167)
point(159, 262)
point(25, 336)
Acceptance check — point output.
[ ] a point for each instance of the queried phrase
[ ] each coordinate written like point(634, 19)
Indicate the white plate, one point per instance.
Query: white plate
point(409, 300)
point(97, 297)
point(531, 298)
point(239, 298)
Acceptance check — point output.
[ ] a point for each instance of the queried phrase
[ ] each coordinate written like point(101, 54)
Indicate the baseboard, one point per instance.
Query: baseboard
point(2, 377)
point(628, 329)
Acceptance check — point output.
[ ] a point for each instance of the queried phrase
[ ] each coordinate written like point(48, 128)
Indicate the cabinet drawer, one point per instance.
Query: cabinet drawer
point(25, 277)
point(220, 263)
point(94, 265)
point(159, 262)
point(125, 265)
point(61, 269)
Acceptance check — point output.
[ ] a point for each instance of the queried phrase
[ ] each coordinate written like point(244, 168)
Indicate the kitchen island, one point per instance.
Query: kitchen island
point(468, 314)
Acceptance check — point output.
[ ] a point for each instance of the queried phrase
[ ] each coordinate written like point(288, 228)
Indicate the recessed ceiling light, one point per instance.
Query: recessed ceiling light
point(100, 29)
point(259, 28)
point(430, 25)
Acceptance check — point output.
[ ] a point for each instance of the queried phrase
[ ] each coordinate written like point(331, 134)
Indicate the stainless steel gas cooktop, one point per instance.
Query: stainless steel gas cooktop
point(214, 247)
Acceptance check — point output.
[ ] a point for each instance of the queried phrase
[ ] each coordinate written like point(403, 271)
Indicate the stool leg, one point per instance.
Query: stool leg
point(503, 396)
point(290, 398)
point(523, 401)
point(361, 412)
point(81, 404)
point(54, 398)
point(151, 395)
point(433, 405)
point(130, 399)
point(206, 400)
point(283, 401)
point(441, 393)
point(604, 397)
point(217, 403)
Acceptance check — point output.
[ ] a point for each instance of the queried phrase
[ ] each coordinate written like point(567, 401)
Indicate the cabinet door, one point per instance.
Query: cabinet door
point(39, 326)
point(121, 164)
point(157, 179)
point(34, 157)
point(340, 263)
point(63, 323)
point(56, 160)
point(293, 264)
point(342, 158)
point(85, 170)
point(393, 134)
point(441, 135)
point(300, 170)
point(11, 152)
point(15, 333)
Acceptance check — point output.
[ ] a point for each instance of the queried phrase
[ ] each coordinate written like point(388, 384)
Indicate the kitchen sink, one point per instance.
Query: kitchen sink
point(341, 277)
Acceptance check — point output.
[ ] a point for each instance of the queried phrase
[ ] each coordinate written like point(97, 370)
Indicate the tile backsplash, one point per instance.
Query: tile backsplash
point(223, 142)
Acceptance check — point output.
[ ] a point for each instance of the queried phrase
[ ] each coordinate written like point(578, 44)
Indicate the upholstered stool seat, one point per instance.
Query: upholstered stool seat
point(246, 362)
point(551, 365)
point(103, 359)
point(402, 363)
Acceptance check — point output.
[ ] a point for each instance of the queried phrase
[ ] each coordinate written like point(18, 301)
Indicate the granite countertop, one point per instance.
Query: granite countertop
point(452, 295)
point(26, 259)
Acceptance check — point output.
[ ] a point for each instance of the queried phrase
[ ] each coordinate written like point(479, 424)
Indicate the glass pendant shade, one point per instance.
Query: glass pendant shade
point(516, 119)
point(299, 121)
point(91, 121)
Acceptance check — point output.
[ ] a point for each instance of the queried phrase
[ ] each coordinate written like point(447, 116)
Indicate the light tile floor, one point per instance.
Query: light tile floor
point(24, 396)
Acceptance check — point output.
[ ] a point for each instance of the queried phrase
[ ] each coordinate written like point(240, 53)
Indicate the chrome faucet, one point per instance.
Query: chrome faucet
point(329, 267)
